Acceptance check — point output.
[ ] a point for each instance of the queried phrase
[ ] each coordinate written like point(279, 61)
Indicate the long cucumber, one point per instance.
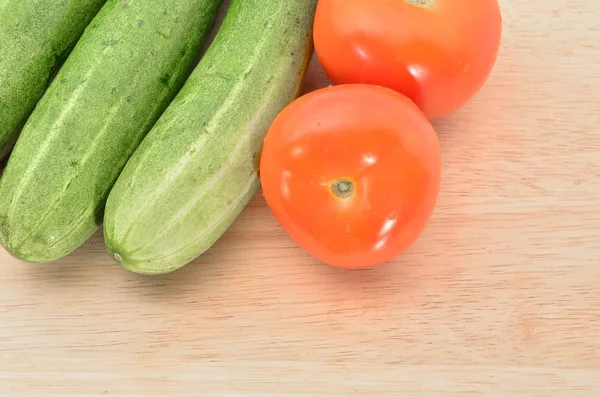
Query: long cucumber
point(198, 167)
point(35, 37)
point(125, 70)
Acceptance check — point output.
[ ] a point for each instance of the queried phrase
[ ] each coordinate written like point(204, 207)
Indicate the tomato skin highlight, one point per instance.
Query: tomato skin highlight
point(352, 173)
point(438, 54)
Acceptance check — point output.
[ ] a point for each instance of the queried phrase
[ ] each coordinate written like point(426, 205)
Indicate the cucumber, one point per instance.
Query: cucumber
point(198, 167)
point(127, 67)
point(35, 37)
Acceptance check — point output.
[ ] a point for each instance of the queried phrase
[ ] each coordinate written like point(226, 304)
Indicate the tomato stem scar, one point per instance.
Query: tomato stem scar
point(422, 3)
point(342, 188)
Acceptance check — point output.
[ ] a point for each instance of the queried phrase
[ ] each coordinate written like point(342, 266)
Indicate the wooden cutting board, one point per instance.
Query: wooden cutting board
point(499, 297)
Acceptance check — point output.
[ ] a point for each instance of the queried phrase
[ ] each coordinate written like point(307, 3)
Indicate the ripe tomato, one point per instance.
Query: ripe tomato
point(352, 173)
point(439, 53)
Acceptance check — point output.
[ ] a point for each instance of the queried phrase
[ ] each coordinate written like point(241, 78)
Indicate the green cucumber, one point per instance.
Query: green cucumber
point(35, 37)
point(122, 74)
point(198, 167)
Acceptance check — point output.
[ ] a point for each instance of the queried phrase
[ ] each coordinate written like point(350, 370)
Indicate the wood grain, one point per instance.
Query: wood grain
point(499, 297)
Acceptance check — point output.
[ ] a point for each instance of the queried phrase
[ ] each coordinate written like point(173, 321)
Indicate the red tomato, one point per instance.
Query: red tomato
point(352, 173)
point(439, 53)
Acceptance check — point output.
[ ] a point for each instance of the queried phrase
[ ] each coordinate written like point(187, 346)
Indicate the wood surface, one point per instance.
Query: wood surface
point(499, 297)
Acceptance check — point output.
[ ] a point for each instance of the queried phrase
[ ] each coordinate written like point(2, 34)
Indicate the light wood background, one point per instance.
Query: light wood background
point(499, 297)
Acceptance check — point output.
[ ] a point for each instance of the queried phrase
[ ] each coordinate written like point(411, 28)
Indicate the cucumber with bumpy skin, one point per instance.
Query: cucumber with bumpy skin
point(35, 36)
point(127, 67)
point(198, 167)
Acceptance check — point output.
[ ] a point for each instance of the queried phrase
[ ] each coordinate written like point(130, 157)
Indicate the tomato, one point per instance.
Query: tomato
point(439, 53)
point(352, 173)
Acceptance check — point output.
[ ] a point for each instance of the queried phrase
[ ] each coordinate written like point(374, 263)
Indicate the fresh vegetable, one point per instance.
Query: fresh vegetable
point(352, 173)
point(35, 36)
point(439, 53)
point(198, 167)
point(127, 67)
